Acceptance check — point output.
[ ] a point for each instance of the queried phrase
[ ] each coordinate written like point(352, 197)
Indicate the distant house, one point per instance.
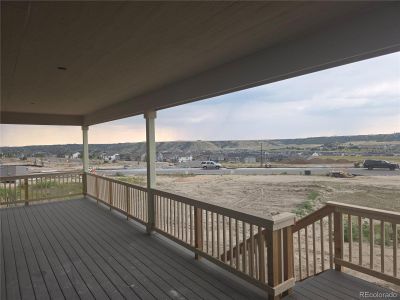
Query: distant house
point(249, 159)
point(75, 155)
point(315, 154)
point(160, 156)
point(185, 159)
point(111, 158)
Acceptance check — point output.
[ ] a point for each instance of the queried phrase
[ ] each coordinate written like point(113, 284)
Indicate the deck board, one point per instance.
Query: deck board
point(334, 285)
point(79, 250)
point(55, 275)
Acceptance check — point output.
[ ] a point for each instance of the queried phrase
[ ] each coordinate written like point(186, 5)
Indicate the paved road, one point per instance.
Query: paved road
point(254, 171)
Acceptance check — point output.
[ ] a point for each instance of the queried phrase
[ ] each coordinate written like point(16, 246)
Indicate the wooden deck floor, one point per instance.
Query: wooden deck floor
point(77, 250)
point(337, 285)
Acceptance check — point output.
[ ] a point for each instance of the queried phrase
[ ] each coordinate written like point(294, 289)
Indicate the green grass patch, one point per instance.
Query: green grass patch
point(307, 206)
point(137, 180)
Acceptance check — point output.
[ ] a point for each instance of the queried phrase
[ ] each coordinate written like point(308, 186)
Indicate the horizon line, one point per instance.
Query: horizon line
point(200, 140)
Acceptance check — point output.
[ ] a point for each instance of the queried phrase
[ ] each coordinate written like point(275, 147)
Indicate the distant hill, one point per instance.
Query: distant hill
point(181, 147)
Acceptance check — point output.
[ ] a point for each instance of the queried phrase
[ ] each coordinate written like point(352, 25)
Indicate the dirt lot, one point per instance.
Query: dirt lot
point(276, 193)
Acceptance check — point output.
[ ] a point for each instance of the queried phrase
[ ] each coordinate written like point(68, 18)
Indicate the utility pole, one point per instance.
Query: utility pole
point(261, 156)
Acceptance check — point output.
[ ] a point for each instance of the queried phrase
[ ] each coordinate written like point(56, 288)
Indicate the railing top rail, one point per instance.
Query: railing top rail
point(313, 217)
point(138, 187)
point(273, 222)
point(3, 178)
point(373, 213)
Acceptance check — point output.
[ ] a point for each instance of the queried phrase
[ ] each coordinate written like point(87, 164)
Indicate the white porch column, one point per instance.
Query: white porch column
point(85, 157)
point(150, 117)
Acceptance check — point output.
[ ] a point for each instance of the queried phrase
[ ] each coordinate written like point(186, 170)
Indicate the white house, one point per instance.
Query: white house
point(111, 158)
point(250, 159)
point(185, 159)
point(75, 155)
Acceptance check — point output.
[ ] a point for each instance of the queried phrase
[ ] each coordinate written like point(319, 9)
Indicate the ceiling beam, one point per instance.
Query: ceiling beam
point(39, 119)
point(368, 34)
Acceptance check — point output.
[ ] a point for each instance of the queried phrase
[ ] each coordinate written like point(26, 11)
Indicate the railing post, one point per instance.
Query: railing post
point(288, 254)
point(110, 195)
point(338, 237)
point(84, 184)
point(26, 188)
point(280, 255)
point(274, 260)
point(198, 230)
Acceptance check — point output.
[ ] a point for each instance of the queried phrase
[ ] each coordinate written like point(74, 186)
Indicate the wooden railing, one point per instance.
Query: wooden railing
point(209, 230)
point(15, 190)
point(128, 199)
point(341, 235)
point(212, 232)
point(269, 252)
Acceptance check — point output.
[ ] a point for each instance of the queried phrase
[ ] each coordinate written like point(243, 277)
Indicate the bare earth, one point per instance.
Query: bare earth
point(260, 194)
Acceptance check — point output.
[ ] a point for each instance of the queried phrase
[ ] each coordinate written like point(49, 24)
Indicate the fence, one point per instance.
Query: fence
point(18, 190)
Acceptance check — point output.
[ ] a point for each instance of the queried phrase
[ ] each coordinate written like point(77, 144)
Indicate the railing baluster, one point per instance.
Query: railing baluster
point(218, 237)
point(314, 249)
point(306, 244)
point(382, 246)
point(251, 252)
point(223, 239)
point(178, 219)
point(322, 245)
point(237, 244)
point(244, 251)
point(206, 233)
point(182, 222)
point(261, 255)
point(128, 209)
point(371, 243)
point(191, 224)
point(299, 246)
point(350, 230)
point(360, 241)
point(394, 228)
point(212, 234)
point(230, 243)
point(330, 241)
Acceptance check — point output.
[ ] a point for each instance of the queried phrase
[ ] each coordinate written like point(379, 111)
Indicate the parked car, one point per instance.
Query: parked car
point(209, 164)
point(382, 164)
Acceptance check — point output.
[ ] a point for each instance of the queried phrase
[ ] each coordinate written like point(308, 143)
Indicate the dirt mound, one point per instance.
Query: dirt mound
point(321, 161)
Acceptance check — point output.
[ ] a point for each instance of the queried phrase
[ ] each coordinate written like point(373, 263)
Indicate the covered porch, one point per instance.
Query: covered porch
point(86, 63)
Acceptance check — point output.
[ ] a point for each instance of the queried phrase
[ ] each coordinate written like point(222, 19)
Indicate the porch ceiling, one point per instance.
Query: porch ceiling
point(120, 59)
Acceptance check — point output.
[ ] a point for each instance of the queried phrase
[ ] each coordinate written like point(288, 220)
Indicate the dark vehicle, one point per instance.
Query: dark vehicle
point(382, 164)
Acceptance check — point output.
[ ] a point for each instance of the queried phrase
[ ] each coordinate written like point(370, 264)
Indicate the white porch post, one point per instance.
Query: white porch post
point(85, 157)
point(150, 117)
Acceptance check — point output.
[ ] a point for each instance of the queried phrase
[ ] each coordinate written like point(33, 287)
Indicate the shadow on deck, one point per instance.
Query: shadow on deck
point(75, 249)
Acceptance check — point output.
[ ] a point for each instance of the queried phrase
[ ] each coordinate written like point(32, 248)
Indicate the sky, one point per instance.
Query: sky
point(358, 98)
